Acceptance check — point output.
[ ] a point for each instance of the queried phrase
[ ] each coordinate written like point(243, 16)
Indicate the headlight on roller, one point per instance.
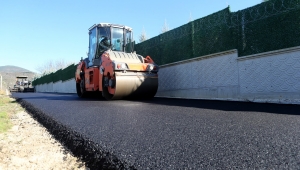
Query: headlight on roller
point(121, 66)
point(152, 68)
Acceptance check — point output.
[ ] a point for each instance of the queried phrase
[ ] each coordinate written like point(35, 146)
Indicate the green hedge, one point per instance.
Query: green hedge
point(268, 26)
point(60, 75)
point(175, 44)
point(212, 34)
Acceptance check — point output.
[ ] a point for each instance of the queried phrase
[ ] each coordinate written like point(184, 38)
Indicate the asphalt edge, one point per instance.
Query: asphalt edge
point(80, 146)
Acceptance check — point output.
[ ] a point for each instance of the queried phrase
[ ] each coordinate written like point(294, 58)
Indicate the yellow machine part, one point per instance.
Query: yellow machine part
point(125, 57)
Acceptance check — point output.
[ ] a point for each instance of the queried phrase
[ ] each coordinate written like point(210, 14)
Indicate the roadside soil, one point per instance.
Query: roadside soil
point(28, 145)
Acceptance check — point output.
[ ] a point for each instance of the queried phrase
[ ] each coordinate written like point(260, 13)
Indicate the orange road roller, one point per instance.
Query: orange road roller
point(112, 68)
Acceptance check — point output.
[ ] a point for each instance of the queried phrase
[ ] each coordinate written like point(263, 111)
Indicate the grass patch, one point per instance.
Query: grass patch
point(8, 107)
point(2, 92)
point(4, 100)
point(4, 122)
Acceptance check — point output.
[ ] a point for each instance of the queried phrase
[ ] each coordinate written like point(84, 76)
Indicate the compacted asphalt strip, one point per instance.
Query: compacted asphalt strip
point(182, 134)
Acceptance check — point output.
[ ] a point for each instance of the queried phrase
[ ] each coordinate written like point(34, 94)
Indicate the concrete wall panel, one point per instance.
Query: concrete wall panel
point(211, 76)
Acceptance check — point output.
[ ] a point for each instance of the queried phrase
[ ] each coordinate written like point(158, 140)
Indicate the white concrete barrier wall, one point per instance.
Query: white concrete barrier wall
point(68, 86)
point(212, 77)
point(57, 87)
point(267, 77)
point(271, 77)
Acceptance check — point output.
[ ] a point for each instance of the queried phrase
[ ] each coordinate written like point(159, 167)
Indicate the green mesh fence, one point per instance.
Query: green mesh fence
point(169, 47)
point(212, 34)
point(57, 75)
point(268, 26)
point(69, 72)
point(203, 36)
point(60, 75)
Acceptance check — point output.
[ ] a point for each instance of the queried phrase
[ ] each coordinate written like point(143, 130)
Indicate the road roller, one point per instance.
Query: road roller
point(112, 68)
point(22, 85)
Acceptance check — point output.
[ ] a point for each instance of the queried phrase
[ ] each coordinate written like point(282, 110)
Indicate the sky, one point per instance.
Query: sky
point(34, 32)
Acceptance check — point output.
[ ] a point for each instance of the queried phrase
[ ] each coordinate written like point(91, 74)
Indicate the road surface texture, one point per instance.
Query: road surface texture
point(176, 133)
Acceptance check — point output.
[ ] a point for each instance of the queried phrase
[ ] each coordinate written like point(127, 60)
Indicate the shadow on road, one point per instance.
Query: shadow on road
point(228, 105)
point(57, 96)
point(195, 103)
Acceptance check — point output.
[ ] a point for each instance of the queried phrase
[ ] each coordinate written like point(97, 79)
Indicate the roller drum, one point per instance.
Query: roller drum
point(135, 85)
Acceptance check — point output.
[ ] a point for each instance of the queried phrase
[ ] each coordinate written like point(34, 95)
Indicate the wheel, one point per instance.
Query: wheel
point(21, 89)
point(105, 85)
point(80, 87)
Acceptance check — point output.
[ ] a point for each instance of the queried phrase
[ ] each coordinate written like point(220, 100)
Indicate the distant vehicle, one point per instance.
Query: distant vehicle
point(22, 85)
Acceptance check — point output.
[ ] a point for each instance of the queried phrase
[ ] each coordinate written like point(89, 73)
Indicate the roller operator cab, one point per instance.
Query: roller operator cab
point(112, 68)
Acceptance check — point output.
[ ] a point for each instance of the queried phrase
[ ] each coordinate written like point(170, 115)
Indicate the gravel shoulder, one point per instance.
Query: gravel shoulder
point(28, 145)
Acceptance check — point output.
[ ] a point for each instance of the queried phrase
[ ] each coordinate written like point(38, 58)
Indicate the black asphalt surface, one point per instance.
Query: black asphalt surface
point(182, 134)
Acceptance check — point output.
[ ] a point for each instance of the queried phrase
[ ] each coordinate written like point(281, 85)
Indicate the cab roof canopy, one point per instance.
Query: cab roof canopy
point(109, 25)
point(22, 77)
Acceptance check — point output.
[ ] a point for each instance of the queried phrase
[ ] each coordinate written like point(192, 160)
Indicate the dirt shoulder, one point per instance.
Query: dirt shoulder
point(28, 145)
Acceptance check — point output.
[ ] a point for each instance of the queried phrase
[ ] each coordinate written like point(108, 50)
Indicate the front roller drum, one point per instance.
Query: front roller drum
point(134, 86)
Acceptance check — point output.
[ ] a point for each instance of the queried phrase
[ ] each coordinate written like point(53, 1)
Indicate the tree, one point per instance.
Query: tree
point(165, 28)
point(264, 0)
point(51, 66)
point(143, 36)
point(191, 18)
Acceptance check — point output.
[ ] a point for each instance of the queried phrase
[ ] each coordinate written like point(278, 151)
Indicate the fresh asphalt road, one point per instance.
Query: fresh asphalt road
point(182, 134)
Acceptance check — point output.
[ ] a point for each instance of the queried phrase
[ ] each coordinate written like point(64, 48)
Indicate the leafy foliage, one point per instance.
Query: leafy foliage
point(52, 66)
